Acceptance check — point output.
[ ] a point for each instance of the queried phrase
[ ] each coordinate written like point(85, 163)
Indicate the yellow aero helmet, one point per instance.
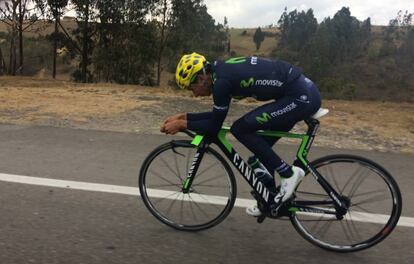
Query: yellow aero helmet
point(187, 69)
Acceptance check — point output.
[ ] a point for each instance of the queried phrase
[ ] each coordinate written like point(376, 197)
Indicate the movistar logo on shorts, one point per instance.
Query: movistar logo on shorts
point(264, 118)
point(247, 83)
point(252, 81)
point(282, 111)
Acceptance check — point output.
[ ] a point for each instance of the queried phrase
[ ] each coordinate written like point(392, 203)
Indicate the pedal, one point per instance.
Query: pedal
point(261, 218)
point(254, 194)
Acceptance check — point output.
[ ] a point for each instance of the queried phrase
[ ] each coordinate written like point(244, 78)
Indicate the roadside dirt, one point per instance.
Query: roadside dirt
point(381, 126)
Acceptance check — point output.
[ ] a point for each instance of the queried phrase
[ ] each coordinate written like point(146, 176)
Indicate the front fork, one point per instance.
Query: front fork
point(188, 181)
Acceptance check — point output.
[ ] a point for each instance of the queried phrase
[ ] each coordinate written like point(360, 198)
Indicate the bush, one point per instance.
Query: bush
point(335, 88)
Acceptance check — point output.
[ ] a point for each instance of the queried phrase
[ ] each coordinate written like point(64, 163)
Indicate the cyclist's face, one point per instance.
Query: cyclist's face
point(202, 85)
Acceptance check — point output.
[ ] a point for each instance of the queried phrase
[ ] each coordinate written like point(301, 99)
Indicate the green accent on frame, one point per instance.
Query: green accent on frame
point(185, 183)
point(197, 140)
point(293, 209)
point(222, 137)
point(302, 152)
point(280, 134)
point(236, 60)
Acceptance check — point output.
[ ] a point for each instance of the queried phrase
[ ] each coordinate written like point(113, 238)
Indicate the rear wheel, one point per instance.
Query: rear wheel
point(211, 196)
point(373, 199)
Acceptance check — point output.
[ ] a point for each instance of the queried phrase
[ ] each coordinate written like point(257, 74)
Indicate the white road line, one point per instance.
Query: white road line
point(98, 187)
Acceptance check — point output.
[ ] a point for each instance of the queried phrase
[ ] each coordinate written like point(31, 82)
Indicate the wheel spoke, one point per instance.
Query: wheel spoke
point(332, 176)
point(310, 193)
point(363, 209)
point(208, 180)
point(368, 193)
point(166, 180)
point(166, 197)
point(206, 169)
point(177, 167)
point(357, 183)
point(355, 174)
point(353, 230)
point(198, 206)
point(171, 169)
point(377, 198)
point(205, 199)
point(172, 203)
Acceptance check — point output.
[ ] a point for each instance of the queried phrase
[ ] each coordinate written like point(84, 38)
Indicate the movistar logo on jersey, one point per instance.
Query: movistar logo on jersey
point(252, 81)
point(269, 83)
point(264, 118)
point(247, 83)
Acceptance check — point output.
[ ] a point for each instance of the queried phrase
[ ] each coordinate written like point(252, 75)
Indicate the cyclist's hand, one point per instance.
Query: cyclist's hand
point(180, 116)
point(174, 126)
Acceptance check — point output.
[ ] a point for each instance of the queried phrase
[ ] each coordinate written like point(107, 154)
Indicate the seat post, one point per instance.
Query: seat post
point(313, 125)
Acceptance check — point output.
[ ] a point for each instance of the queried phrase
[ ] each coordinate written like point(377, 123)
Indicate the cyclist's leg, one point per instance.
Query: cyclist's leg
point(302, 101)
point(244, 129)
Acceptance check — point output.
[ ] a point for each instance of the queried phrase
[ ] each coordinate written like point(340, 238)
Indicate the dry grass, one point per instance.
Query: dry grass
point(350, 124)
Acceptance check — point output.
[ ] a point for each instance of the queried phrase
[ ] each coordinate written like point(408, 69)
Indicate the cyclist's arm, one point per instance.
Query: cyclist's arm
point(199, 116)
point(211, 122)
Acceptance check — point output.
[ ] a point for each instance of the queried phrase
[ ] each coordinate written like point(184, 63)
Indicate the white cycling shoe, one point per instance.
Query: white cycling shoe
point(253, 211)
point(288, 186)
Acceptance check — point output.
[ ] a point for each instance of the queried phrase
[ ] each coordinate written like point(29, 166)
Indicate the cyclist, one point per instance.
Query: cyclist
point(293, 98)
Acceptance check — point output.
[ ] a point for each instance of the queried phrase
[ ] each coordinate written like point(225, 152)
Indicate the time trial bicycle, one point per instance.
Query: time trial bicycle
point(346, 203)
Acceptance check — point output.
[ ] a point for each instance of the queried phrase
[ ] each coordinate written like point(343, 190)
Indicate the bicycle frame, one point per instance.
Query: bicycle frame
point(262, 193)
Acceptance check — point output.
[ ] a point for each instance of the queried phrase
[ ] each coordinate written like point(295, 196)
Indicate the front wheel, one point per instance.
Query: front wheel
point(370, 193)
point(209, 199)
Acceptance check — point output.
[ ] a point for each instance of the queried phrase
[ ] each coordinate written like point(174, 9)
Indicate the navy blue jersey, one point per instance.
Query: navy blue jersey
point(242, 77)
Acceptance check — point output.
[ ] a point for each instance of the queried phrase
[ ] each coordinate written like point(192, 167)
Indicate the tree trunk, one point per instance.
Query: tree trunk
point(162, 43)
point(55, 47)
point(3, 68)
point(12, 58)
point(20, 30)
point(85, 45)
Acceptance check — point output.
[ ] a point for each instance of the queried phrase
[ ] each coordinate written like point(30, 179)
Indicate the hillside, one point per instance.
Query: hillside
point(370, 76)
point(242, 41)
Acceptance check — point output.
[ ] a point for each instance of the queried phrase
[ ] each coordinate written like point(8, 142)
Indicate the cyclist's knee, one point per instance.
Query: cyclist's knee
point(240, 128)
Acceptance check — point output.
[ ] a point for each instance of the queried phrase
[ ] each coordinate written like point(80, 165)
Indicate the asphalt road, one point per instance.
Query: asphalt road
point(43, 224)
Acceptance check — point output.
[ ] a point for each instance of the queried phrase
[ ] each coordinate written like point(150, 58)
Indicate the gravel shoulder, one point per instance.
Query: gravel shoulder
point(380, 126)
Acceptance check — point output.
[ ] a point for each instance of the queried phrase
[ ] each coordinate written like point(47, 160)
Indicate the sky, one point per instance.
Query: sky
point(251, 14)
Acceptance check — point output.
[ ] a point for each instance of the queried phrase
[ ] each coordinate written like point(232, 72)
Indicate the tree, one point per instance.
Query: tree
point(125, 50)
point(296, 28)
point(193, 29)
point(3, 68)
point(19, 16)
point(164, 11)
point(56, 9)
point(398, 29)
point(10, 18)
point(258, 37)
point(85, 10)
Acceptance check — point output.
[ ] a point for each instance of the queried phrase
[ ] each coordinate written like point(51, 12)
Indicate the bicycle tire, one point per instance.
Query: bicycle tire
point(357, 239)
point(194, 202)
